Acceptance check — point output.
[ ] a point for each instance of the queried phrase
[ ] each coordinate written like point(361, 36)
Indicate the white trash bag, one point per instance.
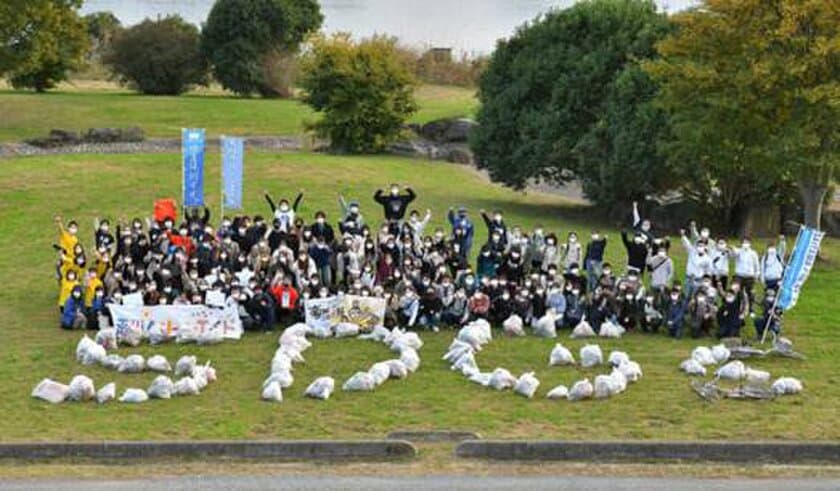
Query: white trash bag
point(346, 330)
point(604, 387)
point(132, 364)
point(272, 392)
point(186, 386)
point(378, 333)
point(380, 372)
point(466, 361)
point(616, 358)
point(481, 378)
point(81, 389)
point(409, 340)
point(360, 381)
point(591, 355)
point(185, 365)
point(611, 330)
point(734, 370)
point(559, 392)
point(112, 361)
point(88, 352)
point(632, 371)
point(545, 327)
point(526, 385)
point(411, 359)
point(582, 330)
point(51, 391)
point(512, 326)
point(130, 335)
point(134, 395)
point(107, 338)
point(106, 393)
point(582, 389)
point(321, 388)
point(398, 369)
point(322, 331)
point(560, 355)
point(693, 367)
point(720, 353)
point(158, 363)
point(619, 380)
point(501, 379)
point(455, 350)
point(284, 379)
point(755, 376)
point(161, 387)
point(786, 386)
point(703, 355)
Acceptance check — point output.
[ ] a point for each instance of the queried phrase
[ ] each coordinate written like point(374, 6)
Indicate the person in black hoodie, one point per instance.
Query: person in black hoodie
point(593, 259)
point(322, 229)
point(431, 307)
point(637, 251)
point(395, 203)
point(495, 225)
point(728, 317)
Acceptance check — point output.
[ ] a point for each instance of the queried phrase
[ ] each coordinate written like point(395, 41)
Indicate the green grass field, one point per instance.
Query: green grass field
point(27, 114)
point(660, 406)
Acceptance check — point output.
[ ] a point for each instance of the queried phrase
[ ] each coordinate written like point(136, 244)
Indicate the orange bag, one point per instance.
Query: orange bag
point(166, 208)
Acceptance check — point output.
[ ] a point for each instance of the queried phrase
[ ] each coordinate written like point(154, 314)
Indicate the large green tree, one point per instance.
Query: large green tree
point(160, 57)
point(243, 40)
point(551, 92)
point(751, 87)
point(364, 90)
point(40, 41)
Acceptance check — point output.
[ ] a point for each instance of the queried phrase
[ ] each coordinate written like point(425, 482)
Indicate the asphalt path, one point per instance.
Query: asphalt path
point(432, 483)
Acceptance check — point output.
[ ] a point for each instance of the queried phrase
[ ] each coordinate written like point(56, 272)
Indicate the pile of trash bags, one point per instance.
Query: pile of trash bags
point(293, 342)
point(752, 382)
point(470, 339)
point(193, 379)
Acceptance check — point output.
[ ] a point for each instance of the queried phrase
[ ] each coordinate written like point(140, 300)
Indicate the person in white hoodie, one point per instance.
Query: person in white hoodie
point(773, 264)
point(720, 263)
point(698, 265)
point(747, 268)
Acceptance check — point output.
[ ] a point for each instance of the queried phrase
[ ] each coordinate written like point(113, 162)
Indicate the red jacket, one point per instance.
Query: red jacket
point(288, 291)
point(184, 243)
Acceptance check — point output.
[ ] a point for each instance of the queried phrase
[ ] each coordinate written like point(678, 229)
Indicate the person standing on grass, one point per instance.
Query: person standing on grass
point(462, 229)
point(394, 205)
point(747, 268)
point(496, 228)
point(570, 252)
point(637, 251)
point(284, 213)
point(675, 310)
point(697, 266)
point(642, 226)
point(593, 259)
point(773, 264)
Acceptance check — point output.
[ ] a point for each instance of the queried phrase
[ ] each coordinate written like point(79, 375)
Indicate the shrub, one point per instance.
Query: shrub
point(365, 91)
point(158, 57)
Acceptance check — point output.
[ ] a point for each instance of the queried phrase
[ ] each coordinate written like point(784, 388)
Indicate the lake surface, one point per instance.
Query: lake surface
point(470, 26)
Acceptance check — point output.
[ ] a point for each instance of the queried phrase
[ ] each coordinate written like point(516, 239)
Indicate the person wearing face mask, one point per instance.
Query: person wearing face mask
point(571, 251)
point(431, 307)
point(551, 253)
point(698, 264)
point(282, 212)
point(181, 239)
point(629, 311)
point(322, 253)
point(593, 258)
point(285, 297)
point(321, 229)
point(496, 226)
point(651, 315)
point(409, 308)
point(512, 268)
point(642, 226)
point(69, 282)
point(462, 229)
point(535, 253)
point(194, 219)
point(661, 269)
point(728, 317)
point(771, 316)
point(704, 235)
point(747, 268)
point(479, 305)
point(637, 251)
point(575, 308)
point(72, 315)
point(773, 264)
point(501, 307)
point(522, 306)
point(394, 204)
point(719, 253)
point(675, 311)
point(67, 237)
point(456, 313)
point(351, 212)
point(486, 263)
point(102, 237)
point(701, 314)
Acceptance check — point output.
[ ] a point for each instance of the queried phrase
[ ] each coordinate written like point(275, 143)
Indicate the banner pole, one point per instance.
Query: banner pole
point(222, 176)
point(779, 292)
point(183, 170)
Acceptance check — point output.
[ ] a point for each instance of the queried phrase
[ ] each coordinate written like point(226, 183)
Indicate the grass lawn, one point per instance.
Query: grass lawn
point(25, 114)
point(660, 406)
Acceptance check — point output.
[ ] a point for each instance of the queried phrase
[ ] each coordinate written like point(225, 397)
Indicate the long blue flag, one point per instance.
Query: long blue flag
point(232, 156)
point(799, 266)
point(192, 147)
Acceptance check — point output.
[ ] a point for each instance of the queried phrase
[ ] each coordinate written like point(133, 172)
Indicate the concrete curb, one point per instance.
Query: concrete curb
point(741, 452)
point(434, 436)
point(294, 450)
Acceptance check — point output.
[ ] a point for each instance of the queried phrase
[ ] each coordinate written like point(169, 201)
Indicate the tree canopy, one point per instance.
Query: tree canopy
point(242, 40)
point(365, 91)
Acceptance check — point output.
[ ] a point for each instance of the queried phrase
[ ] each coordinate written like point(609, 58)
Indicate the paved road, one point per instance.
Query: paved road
point(437, 483)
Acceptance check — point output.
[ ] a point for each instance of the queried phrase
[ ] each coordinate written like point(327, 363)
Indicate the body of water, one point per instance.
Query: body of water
point(470, 26)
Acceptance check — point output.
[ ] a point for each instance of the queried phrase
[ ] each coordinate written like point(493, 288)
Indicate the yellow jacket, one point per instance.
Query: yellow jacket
point(65, 290)
point(68, 242)
point(90, 290)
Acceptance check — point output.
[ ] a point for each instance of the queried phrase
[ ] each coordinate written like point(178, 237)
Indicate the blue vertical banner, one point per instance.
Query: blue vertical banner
point(192, 148)
point(232, 157)
point(805, 252)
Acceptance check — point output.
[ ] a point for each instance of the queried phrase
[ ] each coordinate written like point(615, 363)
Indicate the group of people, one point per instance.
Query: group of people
point(272, 265)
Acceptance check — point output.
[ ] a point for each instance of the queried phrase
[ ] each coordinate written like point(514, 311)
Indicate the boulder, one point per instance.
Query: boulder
point(459, 130)
point(461, 154)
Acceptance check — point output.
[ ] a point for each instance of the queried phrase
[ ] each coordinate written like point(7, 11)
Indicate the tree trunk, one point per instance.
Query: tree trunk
point(813, 196)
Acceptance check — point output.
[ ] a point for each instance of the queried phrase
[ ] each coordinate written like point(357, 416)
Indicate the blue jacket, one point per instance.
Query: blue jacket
point(463, 223)
point(675, 312)
point(72, 307)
